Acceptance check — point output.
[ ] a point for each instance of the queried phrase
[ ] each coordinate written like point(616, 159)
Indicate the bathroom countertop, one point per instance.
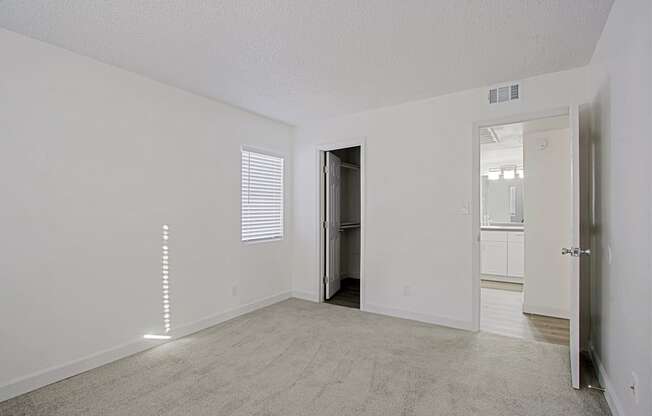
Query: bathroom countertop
point(514, 228)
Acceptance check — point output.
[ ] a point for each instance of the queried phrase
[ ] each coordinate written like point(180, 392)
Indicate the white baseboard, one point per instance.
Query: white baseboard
point(545, 311)
point(612, 400)
point(213, 320)
point(50, 375)
point(299, 294)
point(415, 316)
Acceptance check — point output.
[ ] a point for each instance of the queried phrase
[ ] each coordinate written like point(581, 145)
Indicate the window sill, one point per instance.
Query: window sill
point(261, 240)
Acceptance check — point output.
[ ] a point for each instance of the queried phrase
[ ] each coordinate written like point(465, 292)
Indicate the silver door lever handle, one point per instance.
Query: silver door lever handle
point(575, 252)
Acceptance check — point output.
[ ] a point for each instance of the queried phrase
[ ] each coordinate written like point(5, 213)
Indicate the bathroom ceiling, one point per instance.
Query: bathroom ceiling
point(299, 60)
point(509, 136)
point(508, 146)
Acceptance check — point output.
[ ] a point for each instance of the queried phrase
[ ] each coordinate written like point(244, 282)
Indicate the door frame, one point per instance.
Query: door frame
point(320, 152)
point(475, 197)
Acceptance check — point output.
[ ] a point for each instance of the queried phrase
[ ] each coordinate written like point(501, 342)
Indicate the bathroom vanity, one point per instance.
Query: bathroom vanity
point(502, 253)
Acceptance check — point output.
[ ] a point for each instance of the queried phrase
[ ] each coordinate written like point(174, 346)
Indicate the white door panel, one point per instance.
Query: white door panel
point(515, 259)
point(493, 235)
point(493, 257)
point(573, 261)
point(333, 197)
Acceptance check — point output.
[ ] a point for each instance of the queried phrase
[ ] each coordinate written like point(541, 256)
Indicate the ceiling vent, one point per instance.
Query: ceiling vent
point(504, 94)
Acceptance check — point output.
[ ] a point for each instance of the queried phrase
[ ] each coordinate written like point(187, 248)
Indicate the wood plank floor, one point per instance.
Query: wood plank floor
point(502, 314)
point(492, 284)
point(348, 295)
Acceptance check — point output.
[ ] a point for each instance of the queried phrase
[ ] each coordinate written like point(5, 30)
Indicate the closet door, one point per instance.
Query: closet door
point(333, 197)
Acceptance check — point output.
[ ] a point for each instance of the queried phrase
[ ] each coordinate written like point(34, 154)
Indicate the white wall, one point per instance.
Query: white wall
point(547, 222)
point(93, 160)
point(622, 275)
point(419, 161)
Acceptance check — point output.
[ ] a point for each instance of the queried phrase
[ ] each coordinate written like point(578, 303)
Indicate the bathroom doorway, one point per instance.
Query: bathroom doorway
point(525, 192)
point(556, 218)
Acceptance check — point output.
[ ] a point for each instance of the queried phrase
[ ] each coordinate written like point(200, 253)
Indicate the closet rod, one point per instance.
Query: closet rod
point(349, 225)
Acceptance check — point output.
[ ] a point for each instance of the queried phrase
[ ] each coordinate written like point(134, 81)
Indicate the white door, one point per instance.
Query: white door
point(574, 251)
point(333, 196)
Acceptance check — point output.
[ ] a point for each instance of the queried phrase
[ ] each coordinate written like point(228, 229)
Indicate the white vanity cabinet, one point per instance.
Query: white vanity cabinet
point(502, 253)
point(493, 256)
point(515, 254)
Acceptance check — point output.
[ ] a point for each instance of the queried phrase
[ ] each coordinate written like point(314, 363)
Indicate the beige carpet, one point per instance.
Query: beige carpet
point(302, 358)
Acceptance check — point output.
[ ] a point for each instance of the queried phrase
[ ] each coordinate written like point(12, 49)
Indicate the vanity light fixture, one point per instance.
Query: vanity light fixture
point(509, 172)
point(493, 174)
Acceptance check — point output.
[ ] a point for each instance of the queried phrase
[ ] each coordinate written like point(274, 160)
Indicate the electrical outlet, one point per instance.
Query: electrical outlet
point(609, 257)
point(406, 290)
point(634, 387)
point(234, 290)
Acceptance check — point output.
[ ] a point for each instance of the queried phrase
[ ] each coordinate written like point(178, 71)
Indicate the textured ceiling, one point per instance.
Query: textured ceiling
point(296, 60)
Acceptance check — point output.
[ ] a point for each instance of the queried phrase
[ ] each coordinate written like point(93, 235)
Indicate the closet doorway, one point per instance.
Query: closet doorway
point(341, 206)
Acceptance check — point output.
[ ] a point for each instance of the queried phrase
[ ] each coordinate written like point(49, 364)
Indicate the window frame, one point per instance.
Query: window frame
point(264, 152)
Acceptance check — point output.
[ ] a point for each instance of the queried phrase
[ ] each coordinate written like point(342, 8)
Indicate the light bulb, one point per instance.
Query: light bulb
point(508, 173)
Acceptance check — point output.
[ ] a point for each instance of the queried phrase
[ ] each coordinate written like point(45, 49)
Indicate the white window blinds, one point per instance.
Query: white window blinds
point(262, 196)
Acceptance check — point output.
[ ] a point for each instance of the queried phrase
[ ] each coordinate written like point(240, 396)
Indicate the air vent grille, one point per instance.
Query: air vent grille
point(514, 92)
point(493, 96)
point(504, 93)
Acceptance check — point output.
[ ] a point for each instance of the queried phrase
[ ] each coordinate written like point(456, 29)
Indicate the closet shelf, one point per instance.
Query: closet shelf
point(349, 165)
point(349, 225)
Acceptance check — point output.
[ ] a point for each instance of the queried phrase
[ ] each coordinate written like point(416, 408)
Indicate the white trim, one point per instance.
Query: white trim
point(262, 150)
point(50, 375)
point(300, 294)
point(420, 317)
point(476, 275)
point(612, 400)
point(475, 197)
point(212, 320)
point(320, 149)
point(260, 240)
point(546, 311)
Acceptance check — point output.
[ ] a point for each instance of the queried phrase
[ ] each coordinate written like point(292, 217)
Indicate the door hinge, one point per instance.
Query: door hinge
point(325, 169)
point(325, 224)
point(325, 279)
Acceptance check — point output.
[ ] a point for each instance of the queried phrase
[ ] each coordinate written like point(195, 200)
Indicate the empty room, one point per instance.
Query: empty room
point(289, 207)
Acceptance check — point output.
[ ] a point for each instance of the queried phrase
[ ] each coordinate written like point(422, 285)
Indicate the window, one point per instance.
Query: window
point(262, 196)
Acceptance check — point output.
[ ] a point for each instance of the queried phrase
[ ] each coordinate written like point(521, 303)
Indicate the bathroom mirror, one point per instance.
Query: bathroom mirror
point(502, 201)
